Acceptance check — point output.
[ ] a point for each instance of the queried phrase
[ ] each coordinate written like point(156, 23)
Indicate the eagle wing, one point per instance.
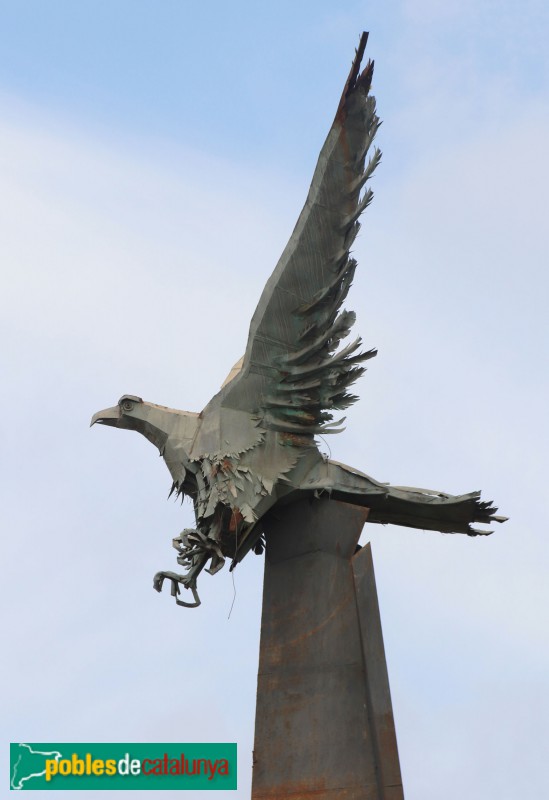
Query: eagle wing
point(293, 375)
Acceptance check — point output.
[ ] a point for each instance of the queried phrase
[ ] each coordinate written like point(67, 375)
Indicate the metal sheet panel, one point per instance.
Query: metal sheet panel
point(380, 709)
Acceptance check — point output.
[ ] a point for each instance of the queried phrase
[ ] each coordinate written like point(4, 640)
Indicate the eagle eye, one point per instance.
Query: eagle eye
point(128, 401)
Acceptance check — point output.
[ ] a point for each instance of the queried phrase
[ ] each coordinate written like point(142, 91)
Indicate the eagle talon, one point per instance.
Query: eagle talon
point(185, 580)
point(195, 549)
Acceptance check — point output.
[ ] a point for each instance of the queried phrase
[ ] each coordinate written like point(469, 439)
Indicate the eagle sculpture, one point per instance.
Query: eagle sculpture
point(253, 446)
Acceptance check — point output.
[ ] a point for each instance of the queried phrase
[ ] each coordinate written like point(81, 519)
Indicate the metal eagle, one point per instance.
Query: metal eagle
point(253, 446)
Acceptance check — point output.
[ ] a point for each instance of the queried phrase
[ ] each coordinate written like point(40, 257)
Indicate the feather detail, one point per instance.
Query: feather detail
point(301, 373)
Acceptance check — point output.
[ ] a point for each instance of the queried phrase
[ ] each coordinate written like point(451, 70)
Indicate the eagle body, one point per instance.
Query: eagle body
point(253, 447)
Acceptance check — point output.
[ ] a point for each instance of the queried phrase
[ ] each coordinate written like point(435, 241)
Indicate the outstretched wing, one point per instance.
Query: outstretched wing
point(293, 375)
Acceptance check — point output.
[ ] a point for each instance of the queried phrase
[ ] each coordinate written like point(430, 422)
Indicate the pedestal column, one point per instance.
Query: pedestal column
point(324, 723)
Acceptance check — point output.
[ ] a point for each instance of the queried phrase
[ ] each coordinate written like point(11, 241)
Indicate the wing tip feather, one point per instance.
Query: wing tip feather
point(357, 79)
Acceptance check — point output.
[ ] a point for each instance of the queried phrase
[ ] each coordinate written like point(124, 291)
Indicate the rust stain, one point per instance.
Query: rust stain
point(236, 520)
point(294, 439)
point(312, 631)
point(294, 792)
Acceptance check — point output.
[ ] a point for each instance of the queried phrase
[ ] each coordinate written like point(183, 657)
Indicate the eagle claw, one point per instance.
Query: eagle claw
point(160, 577)
point(194, 548)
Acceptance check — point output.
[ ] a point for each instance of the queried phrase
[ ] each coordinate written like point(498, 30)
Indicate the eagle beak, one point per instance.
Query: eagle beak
point(109, 416)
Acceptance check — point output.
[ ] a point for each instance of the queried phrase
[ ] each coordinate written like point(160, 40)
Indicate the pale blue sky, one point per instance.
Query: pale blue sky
point(149, 151)
point(203, 73)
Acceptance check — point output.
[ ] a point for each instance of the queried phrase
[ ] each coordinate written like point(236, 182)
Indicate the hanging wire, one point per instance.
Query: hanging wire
point(232, 571)
point(326, 444)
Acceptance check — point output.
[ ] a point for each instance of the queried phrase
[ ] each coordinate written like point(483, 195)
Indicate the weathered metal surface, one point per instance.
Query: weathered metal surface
point(253, 445)
point(380, 709)
point(324, 726)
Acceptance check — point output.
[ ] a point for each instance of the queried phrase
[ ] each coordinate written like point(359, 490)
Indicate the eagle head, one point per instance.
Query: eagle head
point(170, 430)
point(129, 413)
